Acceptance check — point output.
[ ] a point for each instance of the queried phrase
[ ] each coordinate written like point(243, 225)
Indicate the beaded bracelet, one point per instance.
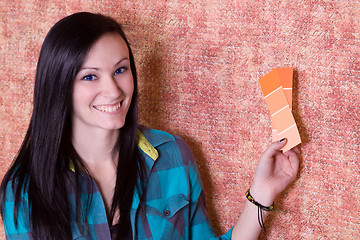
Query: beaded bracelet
point(252, 200)
point(260, 207)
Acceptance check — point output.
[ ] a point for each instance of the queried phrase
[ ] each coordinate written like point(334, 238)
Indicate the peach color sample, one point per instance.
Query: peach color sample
point(283, 123)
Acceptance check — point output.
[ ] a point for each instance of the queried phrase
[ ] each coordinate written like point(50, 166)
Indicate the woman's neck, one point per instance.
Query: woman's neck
point(96, 149)
point(95, 146)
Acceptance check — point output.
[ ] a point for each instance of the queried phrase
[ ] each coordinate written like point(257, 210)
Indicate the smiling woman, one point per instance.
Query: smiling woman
point(103, 87)
point(86, 170)
point(40, 182)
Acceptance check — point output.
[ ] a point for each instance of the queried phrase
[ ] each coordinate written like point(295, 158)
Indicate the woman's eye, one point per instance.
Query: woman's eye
point(89, 77)
point(120, 70)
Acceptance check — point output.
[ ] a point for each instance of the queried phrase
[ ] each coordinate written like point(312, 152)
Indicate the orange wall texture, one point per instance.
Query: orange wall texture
point(199, 63)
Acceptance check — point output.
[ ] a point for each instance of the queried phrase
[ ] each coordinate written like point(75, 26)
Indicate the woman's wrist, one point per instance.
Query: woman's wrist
point(262, 196)
point(259, 205)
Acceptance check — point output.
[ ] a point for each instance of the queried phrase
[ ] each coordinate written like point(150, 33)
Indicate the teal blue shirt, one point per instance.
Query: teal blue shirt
point(174, 207)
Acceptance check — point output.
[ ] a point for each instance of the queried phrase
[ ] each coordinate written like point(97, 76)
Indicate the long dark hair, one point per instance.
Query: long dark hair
point(39, 166)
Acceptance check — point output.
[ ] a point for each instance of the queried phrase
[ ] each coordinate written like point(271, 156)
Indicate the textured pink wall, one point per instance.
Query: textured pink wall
point(199, 63)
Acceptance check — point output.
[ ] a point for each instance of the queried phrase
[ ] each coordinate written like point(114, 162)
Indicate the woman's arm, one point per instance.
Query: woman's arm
point(274, 172)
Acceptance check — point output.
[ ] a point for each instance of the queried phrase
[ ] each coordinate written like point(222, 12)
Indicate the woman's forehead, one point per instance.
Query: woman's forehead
point(108, 49)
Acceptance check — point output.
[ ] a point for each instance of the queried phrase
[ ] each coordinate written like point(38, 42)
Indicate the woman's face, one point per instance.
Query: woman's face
point(104, 86)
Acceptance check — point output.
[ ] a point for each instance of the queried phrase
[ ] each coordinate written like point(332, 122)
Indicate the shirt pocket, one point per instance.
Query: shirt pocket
point(168, 207)
point(167, 218)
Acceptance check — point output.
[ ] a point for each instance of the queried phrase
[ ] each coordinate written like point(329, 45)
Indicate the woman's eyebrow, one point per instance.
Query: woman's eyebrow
point(91, 68)
point(125, 58)
point(95, 68)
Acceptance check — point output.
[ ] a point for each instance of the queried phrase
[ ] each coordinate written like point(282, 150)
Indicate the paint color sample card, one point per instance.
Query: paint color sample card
point(286, 78)
point(277, 89)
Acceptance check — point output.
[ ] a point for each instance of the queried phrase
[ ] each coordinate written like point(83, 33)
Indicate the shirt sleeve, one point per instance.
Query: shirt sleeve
point(21, 230)
point(200, 227)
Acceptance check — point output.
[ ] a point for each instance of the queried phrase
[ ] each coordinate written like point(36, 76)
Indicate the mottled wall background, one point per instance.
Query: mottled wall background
point(199, 63)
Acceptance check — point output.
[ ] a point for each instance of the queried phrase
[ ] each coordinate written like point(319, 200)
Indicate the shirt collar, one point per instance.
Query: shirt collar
point(146, 146)
point(149, 139)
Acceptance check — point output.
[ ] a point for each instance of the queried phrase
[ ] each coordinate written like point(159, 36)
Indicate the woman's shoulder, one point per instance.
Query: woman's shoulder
point(156, 137)
point(168, 145)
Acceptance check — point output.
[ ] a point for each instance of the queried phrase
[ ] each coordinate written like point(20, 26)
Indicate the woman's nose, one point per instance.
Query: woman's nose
point(110, 87)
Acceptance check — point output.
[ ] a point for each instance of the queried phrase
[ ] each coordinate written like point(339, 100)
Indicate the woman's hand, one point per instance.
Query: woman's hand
point(274, 172)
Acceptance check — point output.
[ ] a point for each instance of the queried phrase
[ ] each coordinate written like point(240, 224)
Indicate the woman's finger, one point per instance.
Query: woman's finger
point(292, 153)
point(274, 148)
point(294, 159)
point(296, 150)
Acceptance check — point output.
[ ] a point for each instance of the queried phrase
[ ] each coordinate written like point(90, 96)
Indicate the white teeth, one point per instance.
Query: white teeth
point(108, 109)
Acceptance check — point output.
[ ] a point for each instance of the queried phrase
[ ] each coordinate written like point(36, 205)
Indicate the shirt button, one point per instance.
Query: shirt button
point(166, 212)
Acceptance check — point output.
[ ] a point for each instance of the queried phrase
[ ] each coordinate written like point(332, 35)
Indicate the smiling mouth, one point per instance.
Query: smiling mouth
point(108, 108)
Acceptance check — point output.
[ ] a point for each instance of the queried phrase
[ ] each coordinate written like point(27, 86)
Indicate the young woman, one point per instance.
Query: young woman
point(86, 170)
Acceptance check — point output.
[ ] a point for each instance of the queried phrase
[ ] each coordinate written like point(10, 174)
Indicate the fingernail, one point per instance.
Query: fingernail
point(282, 140)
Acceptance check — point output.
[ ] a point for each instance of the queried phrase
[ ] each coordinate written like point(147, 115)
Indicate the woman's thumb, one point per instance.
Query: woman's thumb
point(274, 148)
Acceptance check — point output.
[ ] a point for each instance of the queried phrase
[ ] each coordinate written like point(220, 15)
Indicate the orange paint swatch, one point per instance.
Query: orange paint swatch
point(277, 89)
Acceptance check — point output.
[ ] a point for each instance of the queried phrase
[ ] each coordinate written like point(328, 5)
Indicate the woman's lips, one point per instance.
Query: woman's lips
point(108, 108)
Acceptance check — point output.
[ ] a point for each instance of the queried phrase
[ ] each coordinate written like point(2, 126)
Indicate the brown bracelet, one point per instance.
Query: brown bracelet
point(252, 200)
point(260, 207)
